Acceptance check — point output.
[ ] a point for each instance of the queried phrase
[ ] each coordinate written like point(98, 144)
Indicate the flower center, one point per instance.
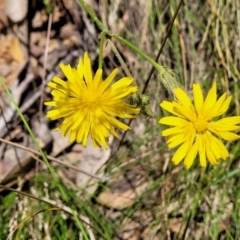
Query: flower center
point(91, 106)
point(200, 125)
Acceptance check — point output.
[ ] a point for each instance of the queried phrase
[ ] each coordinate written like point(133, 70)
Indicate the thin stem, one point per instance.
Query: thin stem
point(53, 174)
point(123, 64)
point(88, 9)
point(120, 39)
point(156, 60)
point(50, 158)
point(137, 50)
point(160, 68)
point(8, 130)
point(54, 205)
point(169, 28)
point(100, 59)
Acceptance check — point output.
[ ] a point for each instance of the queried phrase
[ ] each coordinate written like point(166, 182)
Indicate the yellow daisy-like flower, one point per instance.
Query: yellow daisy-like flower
point(90, 105)
point(194, 129)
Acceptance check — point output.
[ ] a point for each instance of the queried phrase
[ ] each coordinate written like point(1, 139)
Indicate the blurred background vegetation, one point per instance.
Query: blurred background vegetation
point(131, 191)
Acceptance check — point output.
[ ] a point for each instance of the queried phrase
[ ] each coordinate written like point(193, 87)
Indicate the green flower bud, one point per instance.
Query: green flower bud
point(169, 79)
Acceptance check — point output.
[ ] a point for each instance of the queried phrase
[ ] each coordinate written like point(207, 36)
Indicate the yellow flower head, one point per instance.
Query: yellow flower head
point(193, 128)
point(90, 105)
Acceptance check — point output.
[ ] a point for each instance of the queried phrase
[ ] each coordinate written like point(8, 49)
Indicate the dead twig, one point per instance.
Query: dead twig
point(54, 160)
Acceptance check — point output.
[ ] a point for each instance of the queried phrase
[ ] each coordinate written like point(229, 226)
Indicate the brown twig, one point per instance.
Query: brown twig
point(14, 149)
point(53, 159)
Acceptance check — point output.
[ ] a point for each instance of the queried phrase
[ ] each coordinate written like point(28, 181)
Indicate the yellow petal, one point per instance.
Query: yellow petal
point(198, 97)
point(172, 131)
point(185, 112)
point(225, 106)
point(67, 70)
point(215, 111)
point(176, 140)
point(221, 148)
point(172, 121)
point(228, 136)
point(183, 98)
point(51, 103)
point(210, 156)
point(80, 68)
point(202, 151)
point(108, 81)
point(122, 83)
point(218, 127)
point(181, 153)
point(229, 120)
point(59, 81)
point(211, 97)
point(87, 70)
point(191, 155)
point(169, 107)
point(97, 79)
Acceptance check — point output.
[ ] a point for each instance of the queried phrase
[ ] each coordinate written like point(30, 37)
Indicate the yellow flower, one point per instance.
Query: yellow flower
point(194, 127)
point(90, 105)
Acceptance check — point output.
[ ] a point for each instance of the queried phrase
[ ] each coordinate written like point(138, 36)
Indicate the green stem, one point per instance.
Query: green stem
point(123, 64)
point(160, 68)
point(100, 25)
point(34, 140)
point(167, 77)
point(88, 9)
point(54, 176)
point(100, 59)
